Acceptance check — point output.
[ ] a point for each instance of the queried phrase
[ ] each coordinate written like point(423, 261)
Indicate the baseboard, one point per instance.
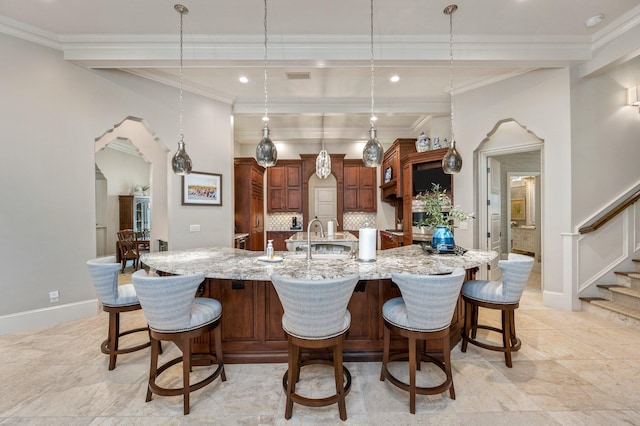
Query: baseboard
point(46, 317)
point(554, 299)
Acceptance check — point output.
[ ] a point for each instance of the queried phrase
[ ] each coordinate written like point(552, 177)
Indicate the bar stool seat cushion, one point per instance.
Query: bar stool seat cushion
point(319, 331)
point(395, 311)
point(126, 296)
point(486, 291)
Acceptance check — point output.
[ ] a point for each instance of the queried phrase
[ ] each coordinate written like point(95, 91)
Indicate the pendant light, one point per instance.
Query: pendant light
point(181, 162)
point(452, 160)
point(373, 153)
point(323, 162)
point(266, 152)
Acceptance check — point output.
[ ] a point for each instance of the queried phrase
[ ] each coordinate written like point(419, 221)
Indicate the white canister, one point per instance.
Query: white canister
point(331, 228)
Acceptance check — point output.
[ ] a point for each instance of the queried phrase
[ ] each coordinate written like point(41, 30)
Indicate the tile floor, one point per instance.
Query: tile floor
point(574, 368)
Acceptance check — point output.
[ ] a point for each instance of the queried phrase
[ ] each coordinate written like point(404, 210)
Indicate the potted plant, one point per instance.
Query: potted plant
point(439, 214)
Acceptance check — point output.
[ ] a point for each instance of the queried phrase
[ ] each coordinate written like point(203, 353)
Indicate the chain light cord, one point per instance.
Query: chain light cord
point(373, 119)
point(266, 96)
point(451, 66)
point(181, 75)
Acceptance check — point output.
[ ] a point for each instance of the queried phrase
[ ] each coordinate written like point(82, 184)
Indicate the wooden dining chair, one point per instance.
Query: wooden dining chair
point(129, 250)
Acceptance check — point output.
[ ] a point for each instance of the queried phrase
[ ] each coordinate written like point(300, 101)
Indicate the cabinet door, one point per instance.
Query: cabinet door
point(256, 239)
point(240, 309)
point(294, 188)
point(367, 193)
point(351, 181)
point(276, 201)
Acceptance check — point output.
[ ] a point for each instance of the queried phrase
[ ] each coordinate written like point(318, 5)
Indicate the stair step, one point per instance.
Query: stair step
point(628, 278)
point(614, 307)
point(620, 289)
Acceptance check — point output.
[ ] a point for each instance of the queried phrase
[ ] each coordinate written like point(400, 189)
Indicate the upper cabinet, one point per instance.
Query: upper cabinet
point(391, 173)
point(359, 187)
point(284, 187)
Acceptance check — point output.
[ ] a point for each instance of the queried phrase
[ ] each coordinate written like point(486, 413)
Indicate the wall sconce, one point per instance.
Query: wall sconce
point(634, 96)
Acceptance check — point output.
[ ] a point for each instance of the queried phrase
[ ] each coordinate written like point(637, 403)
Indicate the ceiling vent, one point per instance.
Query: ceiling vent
point(298, 76)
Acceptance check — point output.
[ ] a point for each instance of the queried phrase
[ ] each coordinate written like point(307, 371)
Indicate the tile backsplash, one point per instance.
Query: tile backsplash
point(351, 221)
point(282, 221)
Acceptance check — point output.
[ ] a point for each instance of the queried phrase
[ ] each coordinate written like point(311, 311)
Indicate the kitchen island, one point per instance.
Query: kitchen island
point(251, 319)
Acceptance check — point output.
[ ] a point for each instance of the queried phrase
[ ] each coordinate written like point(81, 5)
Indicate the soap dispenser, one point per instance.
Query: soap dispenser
point(270, 253)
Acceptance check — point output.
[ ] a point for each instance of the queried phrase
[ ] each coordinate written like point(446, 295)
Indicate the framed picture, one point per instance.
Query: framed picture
point(388, 174)
point(518, 211)
point(202, 189)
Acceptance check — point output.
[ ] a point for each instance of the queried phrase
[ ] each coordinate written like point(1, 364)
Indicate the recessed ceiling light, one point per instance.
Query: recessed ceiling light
point(243, 79)
point(395, 78)
point(594, 20)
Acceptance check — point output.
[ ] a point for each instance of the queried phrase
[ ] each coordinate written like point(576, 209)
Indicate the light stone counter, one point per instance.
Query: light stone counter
point(338, 242)
point(235, 264)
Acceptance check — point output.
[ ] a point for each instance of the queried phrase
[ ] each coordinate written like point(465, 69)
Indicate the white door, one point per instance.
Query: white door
point(494, 206)
point(325, 205)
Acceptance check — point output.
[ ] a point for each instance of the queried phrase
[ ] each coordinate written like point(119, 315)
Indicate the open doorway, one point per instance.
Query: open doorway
point(510, 150)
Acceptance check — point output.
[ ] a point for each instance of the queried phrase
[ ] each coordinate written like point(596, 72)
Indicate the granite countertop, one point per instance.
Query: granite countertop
point(315, 237)
point(396, 232)
point(236, 264)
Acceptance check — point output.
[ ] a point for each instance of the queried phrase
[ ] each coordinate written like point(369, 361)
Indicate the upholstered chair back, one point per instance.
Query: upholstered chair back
point(515, 273)
point(104, 274)
point(169, 303)
point(429, 299)
point(315, 309)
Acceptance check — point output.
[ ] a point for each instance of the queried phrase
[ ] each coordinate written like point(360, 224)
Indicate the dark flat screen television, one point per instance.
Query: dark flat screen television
point(423, 179)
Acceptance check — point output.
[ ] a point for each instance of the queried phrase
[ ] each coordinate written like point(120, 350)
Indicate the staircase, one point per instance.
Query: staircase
point(623, 298)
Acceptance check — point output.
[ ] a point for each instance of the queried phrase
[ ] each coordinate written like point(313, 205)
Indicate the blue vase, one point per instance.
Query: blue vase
point(442, 239)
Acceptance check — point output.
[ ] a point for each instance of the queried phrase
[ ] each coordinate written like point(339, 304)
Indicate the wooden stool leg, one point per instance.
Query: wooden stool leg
point(292, 378)
point(512, 322)
point(185, 346)
point(217, 333)
point(446, 357)
point(412, 375)
point(337, 368)
point(467, 325)
point(506, 338)
point(114, 331)
point(153, 366)
point(474, 320)
point(385, 352)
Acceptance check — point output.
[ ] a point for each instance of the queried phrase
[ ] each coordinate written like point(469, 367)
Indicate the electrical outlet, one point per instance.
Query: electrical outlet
point(194, 228)
point(464, 225)
point(54, 296)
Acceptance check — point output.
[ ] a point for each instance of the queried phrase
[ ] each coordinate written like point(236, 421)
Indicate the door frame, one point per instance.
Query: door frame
point(482, 159)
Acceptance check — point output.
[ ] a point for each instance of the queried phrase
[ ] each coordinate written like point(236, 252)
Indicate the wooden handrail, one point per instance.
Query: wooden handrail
point(612, 211)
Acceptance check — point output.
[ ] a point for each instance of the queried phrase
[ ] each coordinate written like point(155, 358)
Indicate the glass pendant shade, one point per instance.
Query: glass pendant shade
point(266, 152)
point(452, 161)
point(323, 164)
point(373, 152)
point(181, 162)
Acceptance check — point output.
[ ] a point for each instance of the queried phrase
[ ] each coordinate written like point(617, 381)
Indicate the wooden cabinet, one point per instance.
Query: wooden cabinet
point(278, 238)
point(412, 163)
point(135, 213)
point(359, 187)
point(249, 201)
point(391, 171)
point(389, 240)
point(284, 187)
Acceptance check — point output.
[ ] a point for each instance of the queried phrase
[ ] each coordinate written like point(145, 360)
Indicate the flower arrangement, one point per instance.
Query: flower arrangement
point(439, 210)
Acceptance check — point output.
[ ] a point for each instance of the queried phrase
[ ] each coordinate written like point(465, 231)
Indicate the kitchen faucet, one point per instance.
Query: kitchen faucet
point(309, 235)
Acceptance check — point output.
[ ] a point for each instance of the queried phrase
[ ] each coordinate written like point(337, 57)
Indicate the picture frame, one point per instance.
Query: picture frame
point(518, 209)
point(388, 174)
point(202, 189)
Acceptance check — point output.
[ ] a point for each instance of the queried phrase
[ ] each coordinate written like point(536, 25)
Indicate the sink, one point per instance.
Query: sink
point(319, 256)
